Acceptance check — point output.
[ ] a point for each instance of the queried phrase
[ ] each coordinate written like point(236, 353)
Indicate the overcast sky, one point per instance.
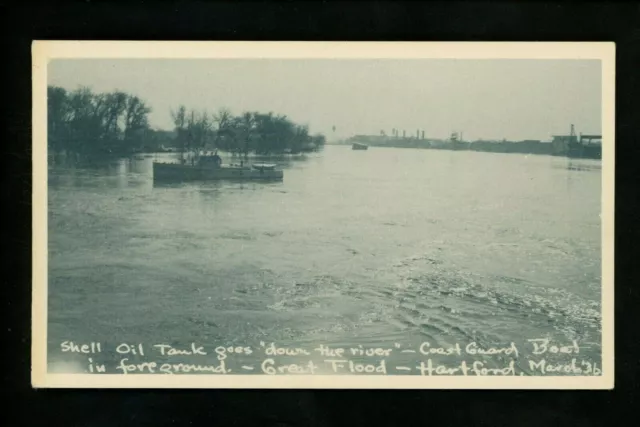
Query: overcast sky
point(484, 99)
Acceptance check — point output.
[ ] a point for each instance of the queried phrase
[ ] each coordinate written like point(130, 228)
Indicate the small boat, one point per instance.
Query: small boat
point(264, 166)
point(358, 146)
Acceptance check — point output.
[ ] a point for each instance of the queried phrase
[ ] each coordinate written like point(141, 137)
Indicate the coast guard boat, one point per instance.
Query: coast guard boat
point(207, 167)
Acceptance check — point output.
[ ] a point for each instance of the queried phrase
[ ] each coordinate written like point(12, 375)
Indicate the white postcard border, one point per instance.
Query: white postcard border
point(44, 51)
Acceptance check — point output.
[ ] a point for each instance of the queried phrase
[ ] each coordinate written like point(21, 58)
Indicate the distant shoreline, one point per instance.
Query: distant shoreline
point(593, 152)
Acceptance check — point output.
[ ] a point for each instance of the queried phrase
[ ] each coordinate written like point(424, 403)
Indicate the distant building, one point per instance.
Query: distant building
point(577, 146)
point(560, 143)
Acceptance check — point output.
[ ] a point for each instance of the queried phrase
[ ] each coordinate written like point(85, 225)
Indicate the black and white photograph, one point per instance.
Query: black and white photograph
point(323, 215)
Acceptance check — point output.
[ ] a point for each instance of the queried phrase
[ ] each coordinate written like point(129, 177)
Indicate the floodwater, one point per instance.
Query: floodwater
point(386, 248)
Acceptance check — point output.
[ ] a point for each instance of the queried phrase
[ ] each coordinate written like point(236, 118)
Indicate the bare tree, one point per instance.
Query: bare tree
point(222, 118)
point(136, 121)
point(179, 118)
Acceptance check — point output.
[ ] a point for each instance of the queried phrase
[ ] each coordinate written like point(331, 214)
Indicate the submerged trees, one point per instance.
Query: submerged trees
point(260, 133)
point(193, 130)
point(84, 122)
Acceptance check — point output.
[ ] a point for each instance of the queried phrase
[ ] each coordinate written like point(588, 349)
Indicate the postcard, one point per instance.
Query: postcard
point(362, 215)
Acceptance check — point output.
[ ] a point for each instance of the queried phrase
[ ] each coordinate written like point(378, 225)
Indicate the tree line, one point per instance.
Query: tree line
point(84, 122)
point(249, 132)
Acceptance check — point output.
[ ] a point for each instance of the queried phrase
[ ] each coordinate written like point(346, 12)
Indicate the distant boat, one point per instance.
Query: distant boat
point(358, 146)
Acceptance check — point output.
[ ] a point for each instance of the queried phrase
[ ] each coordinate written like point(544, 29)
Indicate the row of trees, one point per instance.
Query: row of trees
point(250, 132)
point(84, 122)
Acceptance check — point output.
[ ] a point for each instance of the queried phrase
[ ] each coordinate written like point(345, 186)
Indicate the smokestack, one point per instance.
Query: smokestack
point(404, 133)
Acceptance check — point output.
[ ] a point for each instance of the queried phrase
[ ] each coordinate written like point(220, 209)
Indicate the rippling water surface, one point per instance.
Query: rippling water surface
point(354, 247)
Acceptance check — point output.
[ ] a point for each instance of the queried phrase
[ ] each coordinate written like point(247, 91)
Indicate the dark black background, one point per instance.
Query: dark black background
point(420, 21)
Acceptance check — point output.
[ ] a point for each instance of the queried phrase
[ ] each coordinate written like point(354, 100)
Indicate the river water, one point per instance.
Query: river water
point(373, 248)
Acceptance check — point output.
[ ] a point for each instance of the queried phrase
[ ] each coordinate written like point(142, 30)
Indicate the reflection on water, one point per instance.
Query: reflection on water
point(352, 247)
point(578, 164)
